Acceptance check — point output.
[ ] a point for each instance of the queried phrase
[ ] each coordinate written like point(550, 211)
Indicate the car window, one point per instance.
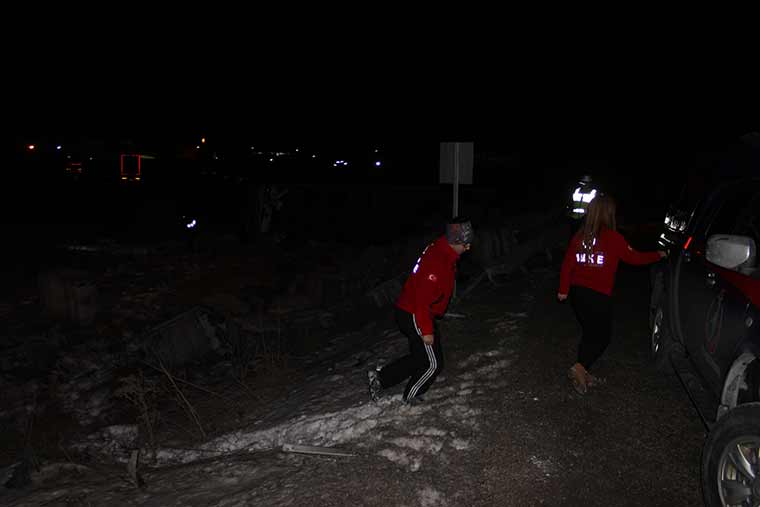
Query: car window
point(739, 214)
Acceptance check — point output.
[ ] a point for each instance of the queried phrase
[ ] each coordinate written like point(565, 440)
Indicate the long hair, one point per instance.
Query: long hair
point(600, 213)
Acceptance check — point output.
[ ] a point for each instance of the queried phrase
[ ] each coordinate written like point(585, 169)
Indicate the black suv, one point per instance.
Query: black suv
point(705, 322)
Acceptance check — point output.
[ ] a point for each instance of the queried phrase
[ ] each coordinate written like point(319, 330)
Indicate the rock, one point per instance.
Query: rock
point(179, 340)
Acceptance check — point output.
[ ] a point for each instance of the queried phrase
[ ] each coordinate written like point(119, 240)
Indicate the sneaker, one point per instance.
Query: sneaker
point(374, 385)
point(414, 401)
point(577, 375)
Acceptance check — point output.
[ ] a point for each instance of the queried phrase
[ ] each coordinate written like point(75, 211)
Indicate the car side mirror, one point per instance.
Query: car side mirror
point(738, 253)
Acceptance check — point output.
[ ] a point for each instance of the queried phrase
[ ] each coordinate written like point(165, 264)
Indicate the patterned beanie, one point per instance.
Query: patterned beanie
point(460, 233)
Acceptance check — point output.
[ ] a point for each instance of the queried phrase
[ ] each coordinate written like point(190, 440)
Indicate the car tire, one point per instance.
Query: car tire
point(730, 462)
point(661, 344)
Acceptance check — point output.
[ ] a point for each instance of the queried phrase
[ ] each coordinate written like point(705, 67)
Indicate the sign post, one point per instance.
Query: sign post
point(456, 168)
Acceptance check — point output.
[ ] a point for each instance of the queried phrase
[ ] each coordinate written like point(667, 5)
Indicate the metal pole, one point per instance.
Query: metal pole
point(456, 179)
point(456, 200)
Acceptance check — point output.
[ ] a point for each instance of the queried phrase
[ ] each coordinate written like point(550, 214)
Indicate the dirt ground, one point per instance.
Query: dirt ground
point(636, 440)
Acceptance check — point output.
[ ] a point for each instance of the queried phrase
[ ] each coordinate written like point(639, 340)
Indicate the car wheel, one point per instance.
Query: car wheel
point(731, 459)
point(661, 342)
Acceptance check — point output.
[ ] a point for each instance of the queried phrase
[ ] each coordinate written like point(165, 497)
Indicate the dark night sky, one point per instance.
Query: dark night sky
point(549, 117)
point(613, 117)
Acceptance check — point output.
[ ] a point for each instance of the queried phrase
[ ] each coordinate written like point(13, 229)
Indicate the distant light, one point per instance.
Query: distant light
point(31, 147)
point(376, 150)
point(378, 164)
point(191, 224)
point(124, 177)
point(296, 150)
point(203, 140)
point(58, 147)
point(314, 156)
point(90, 158)
point(197, 147)
point(253, 148)
point(271, 160)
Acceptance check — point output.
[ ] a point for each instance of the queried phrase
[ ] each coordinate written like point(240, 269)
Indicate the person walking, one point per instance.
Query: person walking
point(424, 297)
point(587, 279)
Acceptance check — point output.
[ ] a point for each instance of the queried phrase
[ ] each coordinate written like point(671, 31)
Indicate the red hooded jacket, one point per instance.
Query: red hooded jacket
point(597, 270)
point(428, 289)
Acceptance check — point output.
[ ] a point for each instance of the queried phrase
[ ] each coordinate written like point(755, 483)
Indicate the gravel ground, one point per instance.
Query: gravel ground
point(524, 437)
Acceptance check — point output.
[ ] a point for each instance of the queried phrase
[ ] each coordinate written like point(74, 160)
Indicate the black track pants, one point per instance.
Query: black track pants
point(421, 365)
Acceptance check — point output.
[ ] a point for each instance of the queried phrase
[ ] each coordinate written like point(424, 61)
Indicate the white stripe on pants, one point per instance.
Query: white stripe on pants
point(429, 373)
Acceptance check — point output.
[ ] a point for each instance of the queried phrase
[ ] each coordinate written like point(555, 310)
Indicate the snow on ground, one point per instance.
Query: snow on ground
point(331, 409)
point(407, 435)
point(431, 498)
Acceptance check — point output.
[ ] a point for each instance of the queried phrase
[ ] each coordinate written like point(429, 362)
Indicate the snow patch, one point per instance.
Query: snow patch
point(114, 441)
point(461, 444)
point(366, 425)
point(431, 498)
point(545, 466)
point(478, 357)
point(461, 411)
point(400, 458)
point(430, 432)
point(425, 444)
point(494, 367)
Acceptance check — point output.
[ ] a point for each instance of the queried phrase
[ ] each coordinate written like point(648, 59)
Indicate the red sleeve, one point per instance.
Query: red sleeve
point(427, 292)
point(568, 264)
point(631, 256)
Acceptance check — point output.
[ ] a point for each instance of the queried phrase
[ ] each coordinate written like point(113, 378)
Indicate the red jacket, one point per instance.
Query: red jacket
point(428, 289)
point(597, 271)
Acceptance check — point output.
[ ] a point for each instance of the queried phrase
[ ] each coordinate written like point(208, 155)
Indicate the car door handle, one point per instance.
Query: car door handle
point(710, 279)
